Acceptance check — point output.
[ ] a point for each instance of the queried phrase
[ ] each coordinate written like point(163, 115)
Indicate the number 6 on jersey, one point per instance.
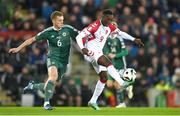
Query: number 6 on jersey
point(59, 43)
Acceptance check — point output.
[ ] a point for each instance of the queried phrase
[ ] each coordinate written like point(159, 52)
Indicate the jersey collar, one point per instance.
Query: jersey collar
point(55, 28)
point(102, 24)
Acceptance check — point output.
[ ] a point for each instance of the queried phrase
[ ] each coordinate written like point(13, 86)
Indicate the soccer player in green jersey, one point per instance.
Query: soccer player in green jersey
point(115, 50)
point(59, 40)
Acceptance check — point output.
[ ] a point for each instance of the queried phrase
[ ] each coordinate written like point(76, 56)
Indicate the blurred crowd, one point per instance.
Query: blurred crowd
point(156, 22)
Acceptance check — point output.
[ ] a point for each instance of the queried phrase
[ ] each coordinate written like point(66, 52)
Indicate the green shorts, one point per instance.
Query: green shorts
point(110, 78)
point(61, 67)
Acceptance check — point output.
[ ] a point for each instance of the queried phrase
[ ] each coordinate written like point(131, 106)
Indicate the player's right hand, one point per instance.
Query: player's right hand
point(14, 50)
point(139, 42)
point(87, 52)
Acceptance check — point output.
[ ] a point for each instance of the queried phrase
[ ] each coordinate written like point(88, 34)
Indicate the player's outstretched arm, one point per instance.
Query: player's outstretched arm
point(129, 37)
point(24, 44)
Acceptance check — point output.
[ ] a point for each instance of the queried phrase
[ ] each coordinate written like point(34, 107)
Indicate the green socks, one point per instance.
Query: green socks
point(39, 86)
point(120, 96)
point(49, 90)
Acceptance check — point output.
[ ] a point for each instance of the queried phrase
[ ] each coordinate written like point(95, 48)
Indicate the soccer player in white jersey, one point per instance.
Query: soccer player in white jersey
point(91, 40)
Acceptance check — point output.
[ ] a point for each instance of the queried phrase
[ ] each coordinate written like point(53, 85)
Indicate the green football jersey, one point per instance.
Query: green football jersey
point(115, 46)
point(59, 42)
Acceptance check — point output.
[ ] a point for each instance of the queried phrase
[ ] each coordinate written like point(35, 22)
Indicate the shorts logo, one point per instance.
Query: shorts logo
point(106, 31)
point(64, 34)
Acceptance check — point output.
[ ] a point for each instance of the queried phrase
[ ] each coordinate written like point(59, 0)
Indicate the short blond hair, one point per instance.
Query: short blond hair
point(114, 23)
point(55, 14)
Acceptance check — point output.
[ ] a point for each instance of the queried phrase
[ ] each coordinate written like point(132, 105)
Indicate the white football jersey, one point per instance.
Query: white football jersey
point(96, 35)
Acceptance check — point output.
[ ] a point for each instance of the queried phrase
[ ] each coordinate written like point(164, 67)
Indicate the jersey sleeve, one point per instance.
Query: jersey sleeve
point(112, 27)
point(92, 28)
point(41, 35)
point(73, 32)
point(124, 35)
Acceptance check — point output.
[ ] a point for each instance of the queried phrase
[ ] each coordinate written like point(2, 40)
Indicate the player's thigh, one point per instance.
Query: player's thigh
point(62, 70)
point(104, 61)
point(52, 73)
point(52, 66)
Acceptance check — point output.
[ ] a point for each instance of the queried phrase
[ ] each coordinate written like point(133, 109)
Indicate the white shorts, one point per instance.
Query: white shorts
point(93, 59)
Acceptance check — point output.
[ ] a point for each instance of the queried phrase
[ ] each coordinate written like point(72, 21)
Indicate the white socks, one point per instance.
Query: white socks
point(114, 74)
point(97, 92)
point(45, 103)
point(100, 86)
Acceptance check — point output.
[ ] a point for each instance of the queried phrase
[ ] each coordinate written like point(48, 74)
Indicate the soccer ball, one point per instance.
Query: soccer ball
point(129, 75)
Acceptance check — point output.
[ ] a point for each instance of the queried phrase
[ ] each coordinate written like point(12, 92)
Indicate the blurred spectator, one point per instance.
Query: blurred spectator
point(98, 3)
point(85, 92)
point(24, 77)
point(65, 11)
point(131, 4)
point(151, 78)
point(155, 64)
point(136, 27)
point(5, 11)
point(2, 50)
point(176, 77)
point(77, 14)
point(155, 5)
point(142, 14)
point(105, 4)
point(173, 16)
point(126, 16)
point(47, 9)
point(36, 59)
point(142, 59)
point(73, 93)
point(157, 16)
point(175, 63)
point(151, 27)
point(176, 26)
point(163, 37)
point(9, 82)
point(60, 97)
point(165, 61)
point(89, 9)
point(164, 83)
point(140, 90)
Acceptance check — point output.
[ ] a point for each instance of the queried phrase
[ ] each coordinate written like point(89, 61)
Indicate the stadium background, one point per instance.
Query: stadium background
point(157, 22)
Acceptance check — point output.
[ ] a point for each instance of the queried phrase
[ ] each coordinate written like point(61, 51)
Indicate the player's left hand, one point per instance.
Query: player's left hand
point(139, 42)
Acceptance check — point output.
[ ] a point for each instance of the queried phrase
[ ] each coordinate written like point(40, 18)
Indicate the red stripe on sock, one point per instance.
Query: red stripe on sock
point(103, 81)
point(109, 64)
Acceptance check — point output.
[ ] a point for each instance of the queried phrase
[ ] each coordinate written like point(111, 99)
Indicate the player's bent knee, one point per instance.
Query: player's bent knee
point(53, 79)
point(52, 73)
point(104, 61)
point(103, 77)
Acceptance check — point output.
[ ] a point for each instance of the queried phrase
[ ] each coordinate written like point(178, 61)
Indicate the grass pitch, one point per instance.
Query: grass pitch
point(87, 111)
